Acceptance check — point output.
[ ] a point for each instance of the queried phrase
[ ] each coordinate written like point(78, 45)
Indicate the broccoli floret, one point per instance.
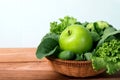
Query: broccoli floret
point(90, 26)
point(101, 24)
point(98, 27)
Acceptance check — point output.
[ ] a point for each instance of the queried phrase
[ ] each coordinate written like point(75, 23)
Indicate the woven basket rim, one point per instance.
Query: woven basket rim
point(68, 61)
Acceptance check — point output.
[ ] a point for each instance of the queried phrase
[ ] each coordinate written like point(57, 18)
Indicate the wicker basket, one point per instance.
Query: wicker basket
point(73, 68)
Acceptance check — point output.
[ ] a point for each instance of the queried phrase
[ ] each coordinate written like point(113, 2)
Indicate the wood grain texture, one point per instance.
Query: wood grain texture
point(41, 71)
point(17, 54)
point(21, 64)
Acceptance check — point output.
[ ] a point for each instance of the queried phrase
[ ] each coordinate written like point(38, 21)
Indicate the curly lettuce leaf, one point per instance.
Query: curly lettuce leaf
point(98, 63)
point(112, 67)
point(107, 56)
point(57, 28)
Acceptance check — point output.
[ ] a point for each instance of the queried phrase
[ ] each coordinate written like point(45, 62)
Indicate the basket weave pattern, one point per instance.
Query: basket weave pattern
point(73, 68)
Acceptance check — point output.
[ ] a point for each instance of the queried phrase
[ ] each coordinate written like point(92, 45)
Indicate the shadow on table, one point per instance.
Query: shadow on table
point(102, 76)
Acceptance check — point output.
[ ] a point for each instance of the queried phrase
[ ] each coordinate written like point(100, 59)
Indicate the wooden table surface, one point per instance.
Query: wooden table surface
point(21, 64)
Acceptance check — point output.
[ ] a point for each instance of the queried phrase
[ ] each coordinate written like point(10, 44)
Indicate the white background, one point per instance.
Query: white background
point(24, 22)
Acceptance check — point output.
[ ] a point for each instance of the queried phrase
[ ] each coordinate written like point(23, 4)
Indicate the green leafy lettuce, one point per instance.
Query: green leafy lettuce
point(107, 56)
point(57, 28)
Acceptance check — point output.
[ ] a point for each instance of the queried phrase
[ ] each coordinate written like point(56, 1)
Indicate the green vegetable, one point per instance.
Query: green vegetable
point(101, 24)
point(98, 26)
point(48, 46)
point(66, 55)
point(96, 37)
point(80, 57)
point(107, 36)
point(108, 31)
point(88, 56)
point(97, 30)
point(90, 27)
point(57, 28)
point(107, 57)
point(84, 56)
point(52, 36)
point(98, 63)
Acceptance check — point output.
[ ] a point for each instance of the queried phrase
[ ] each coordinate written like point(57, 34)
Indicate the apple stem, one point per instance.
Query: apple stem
point(69, 32)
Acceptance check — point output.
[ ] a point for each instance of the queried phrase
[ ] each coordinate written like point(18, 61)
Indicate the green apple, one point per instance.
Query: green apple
point(75, 38)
